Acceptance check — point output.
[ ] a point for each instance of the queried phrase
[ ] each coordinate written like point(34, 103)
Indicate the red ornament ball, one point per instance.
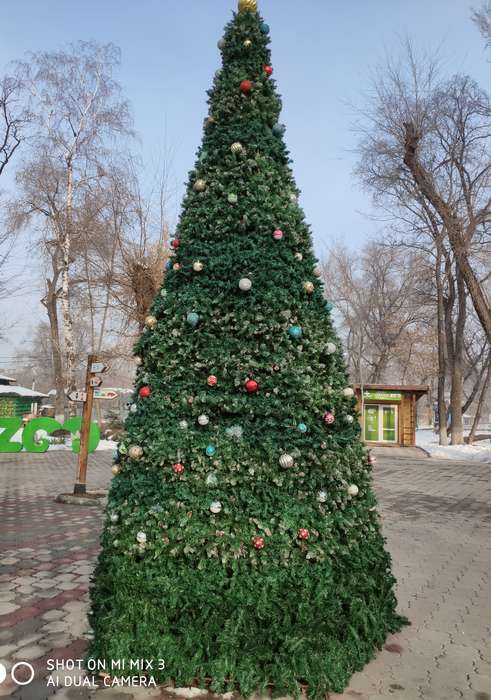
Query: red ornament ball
point(303, 534)
point(251, 386)
point(178, 468)
point(278, 234)
point(268, 70)
point(259, 542)
point(212, 380)
point(176, 243)
point(328, 418)
point(246, 87)
point(145, 392)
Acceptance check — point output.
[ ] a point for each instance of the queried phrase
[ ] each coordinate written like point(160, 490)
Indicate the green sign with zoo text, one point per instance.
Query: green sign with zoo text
point(32, 442)
point(371, 395)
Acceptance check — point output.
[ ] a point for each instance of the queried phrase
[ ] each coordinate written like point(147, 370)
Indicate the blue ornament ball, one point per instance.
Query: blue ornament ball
point(302, 428)
point(278, 129)
point(295, 331)
point(193, 319)
point(329, 306)
point(264, 28)
point(168, 265)
point(210, 450)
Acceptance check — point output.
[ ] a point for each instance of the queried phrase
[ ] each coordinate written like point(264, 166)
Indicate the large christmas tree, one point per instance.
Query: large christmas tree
point(241, 542)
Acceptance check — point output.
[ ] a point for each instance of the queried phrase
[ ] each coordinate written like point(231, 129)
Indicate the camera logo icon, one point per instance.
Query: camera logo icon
point(17, 673)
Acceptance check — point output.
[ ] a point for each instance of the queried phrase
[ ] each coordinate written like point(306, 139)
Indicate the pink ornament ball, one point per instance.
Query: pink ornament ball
point(328, 418)
point(278, 234)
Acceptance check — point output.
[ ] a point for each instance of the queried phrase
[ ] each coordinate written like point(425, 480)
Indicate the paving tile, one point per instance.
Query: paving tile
point(52, 615)
point(7, 608)
point(437, 521)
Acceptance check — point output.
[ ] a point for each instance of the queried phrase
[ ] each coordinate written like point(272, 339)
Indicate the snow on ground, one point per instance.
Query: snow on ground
point(107, 445)
point(479, 452)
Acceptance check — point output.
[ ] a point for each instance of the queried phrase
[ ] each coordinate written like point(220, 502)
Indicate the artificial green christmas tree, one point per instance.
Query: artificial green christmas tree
point(242, 543)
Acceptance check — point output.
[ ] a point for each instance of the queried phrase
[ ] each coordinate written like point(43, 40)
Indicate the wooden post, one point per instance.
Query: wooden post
point(81, 483)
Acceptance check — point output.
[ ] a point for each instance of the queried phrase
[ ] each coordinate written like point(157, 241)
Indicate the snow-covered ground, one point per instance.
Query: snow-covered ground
point(479, 452)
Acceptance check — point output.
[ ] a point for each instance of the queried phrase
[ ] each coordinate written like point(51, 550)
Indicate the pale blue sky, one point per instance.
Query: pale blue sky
point(323, 51)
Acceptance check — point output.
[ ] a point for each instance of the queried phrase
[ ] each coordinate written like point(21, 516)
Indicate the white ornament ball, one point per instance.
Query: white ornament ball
point(221, 44)
point(216, 507)
point(135, 452)
point(353, 490)
point(322, 496)
point(150, 322)
point(199, 185)
point(286, 461)
point(245, 284)
point(349, 419)
point(308, 287)
point(183, 425)
point(198, 266)
point(138, 361)
point(133, 408)
point(331, 348)
point(299, 257)
point(141, 538)
point(293, 198)
point(203, 419)
point(114, 517)
point(348, 392)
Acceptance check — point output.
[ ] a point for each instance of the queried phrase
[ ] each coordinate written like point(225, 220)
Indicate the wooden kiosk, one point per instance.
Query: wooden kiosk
point(388, 413)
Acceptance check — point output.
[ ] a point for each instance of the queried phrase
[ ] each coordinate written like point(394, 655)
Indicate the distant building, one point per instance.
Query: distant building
point(18, 401)
point(388, 413)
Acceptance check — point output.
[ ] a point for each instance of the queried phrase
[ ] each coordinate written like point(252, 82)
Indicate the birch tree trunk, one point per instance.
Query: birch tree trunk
point(51, 304)
point(65, 289)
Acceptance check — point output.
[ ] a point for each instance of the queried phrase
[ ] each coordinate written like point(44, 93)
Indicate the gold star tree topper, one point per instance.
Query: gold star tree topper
point(247, 5)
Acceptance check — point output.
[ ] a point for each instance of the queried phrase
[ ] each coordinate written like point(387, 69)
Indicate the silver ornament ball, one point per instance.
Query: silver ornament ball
point(245, 284)
point(286, 461)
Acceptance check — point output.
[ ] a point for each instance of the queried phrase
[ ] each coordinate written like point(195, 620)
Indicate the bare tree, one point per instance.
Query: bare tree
point(425, 157)
point(482, 18)
point(13, 119)
point(380, 310)
point(78, 111)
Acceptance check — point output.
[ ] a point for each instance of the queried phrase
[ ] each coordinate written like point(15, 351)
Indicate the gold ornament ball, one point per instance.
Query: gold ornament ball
point(299, 257)
point(115, 470)
point(317, 272)
point(198, 266)
point(135, 452)
point(308, 287)
point(199, 186)
point(236, 148)
point(247, 5)
point(247, 44)
point(150, 322)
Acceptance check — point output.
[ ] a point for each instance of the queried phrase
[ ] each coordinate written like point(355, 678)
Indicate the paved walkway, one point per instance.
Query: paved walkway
point(437, 520)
